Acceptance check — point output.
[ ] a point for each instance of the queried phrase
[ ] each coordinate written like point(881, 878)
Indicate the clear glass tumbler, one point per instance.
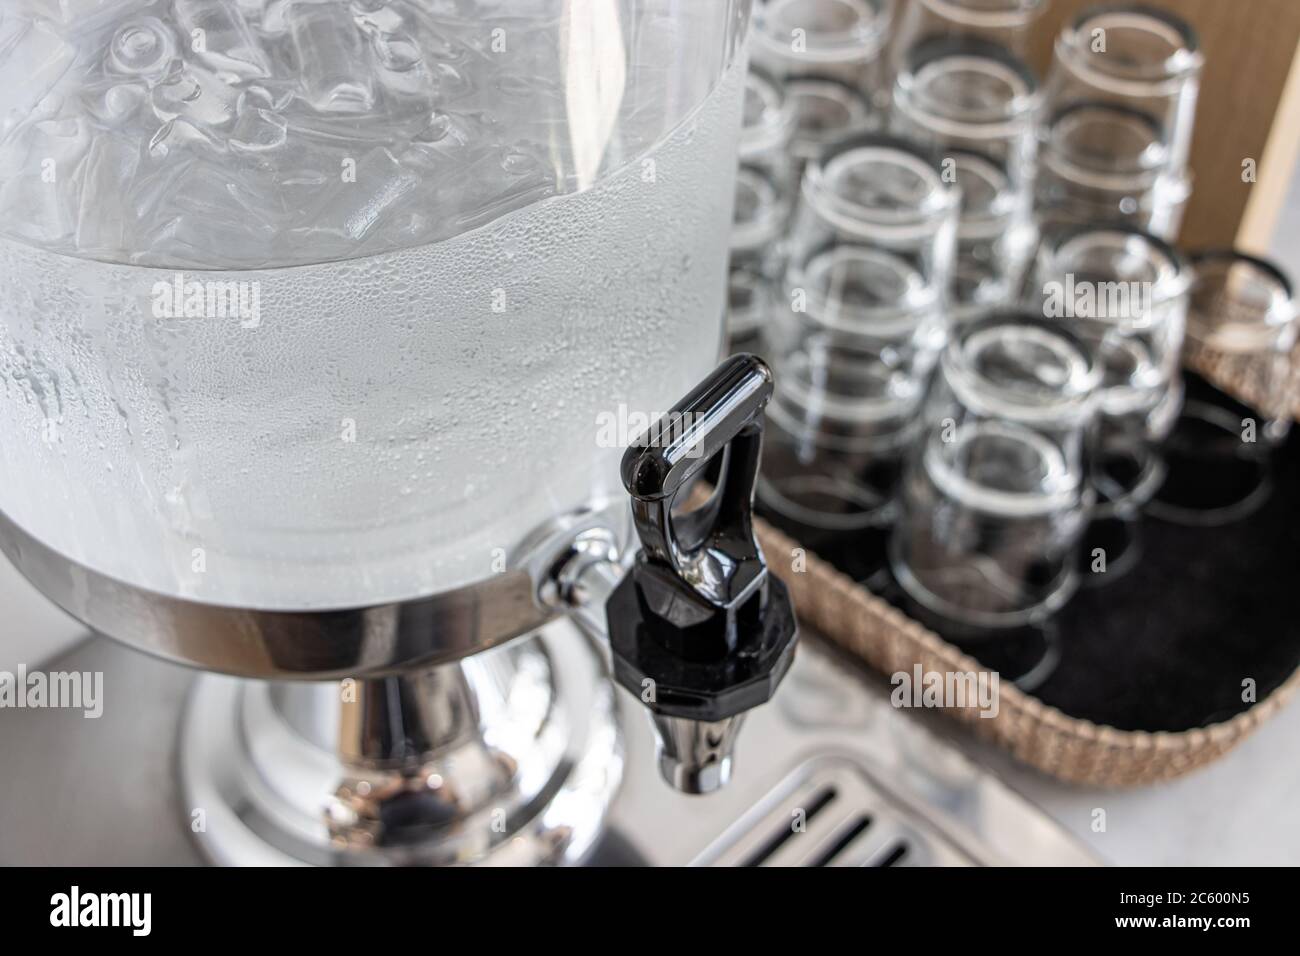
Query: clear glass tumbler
point(829, 54)
point(1241, 335)
point(1124, 292)
point(766, 187)
point(1142, 58)
point(1104, 162)
point(996, 237)
point(972, 94)
point(993, 497)
point(1242, 331)
point(1120, 102)
point(1007, 23)
point(757, 260)
point(859, 331)
point(976, 104)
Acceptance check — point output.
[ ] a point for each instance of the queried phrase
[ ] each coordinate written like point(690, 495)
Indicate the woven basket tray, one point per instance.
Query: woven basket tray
point(1069, 748)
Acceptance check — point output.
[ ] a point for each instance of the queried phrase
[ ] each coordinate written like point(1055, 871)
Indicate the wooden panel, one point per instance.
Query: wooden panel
point(1278, 167)
point(1250, 50)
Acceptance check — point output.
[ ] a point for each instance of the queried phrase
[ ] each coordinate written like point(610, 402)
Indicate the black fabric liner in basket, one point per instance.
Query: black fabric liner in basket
point(1167, 645)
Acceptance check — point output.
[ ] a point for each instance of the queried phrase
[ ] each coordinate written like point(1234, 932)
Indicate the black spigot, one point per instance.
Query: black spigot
point(700, 631)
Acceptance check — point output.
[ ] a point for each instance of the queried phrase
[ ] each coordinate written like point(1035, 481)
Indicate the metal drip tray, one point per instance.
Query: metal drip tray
point(829, 774)
point(827, 813)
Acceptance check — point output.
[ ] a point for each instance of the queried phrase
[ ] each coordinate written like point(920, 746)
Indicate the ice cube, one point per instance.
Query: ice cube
point(103, 212)
point(12, 27)
point(219, 37)
point(63, 141)
point(276, 99)
point(39, 194)
point(143, 47)
point(401, 70)
point(42, 157)
point(206, 216)
point(35, 57)
point(274, 17)
point(37, 209)
point(383, 182)
point(294, 186)
point(195, 94)
point(377, 17)
point(258, 130)
point(397, 51)
point(179, 133)
point(332, 60)
point(116, 105)
point(358, 204)
point(82, 17)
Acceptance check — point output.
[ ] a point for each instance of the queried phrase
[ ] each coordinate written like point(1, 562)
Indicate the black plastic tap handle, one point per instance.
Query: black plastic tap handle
point(698, 617)
point(713, 548)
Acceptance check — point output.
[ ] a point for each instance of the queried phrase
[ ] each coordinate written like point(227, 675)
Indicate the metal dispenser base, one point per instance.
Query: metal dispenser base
point(105, 792)
point(511, 756)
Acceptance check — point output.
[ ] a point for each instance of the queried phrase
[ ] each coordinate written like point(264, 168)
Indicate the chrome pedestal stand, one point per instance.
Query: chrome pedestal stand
point(509, 757)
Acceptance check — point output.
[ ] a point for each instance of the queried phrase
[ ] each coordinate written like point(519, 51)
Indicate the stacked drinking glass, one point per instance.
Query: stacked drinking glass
point(974, 311)
point(976, 103)
point(1120, 107)
point(766, 184)
point(854, 342)
point(829, 56)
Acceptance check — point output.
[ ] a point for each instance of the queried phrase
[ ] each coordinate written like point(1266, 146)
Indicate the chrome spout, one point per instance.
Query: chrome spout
point(695, 755)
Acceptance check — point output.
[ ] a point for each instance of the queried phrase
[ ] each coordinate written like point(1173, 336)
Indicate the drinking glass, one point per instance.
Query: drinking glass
point(829, 55)
point(1241, 333)
point(992, 502)
point(765, 194)
point(969, 93)
point(1124, 292)
point(886, 194)
point(768, 124)
point(1106, 162)
point(976, 104)
point(859, 332)
point(826, 111)
point(1242, 329)
point(1121, 106)
point(995, 237)
point(1007, 23)
point(1141, 58)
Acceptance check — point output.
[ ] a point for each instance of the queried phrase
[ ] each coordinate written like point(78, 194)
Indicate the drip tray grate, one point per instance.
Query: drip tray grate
point(828, 813)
